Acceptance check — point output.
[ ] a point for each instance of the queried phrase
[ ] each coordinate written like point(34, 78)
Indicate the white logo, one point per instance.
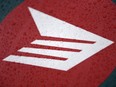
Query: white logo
point(52, 27)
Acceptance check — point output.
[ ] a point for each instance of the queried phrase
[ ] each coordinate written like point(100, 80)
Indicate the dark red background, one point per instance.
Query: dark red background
point(18, 30)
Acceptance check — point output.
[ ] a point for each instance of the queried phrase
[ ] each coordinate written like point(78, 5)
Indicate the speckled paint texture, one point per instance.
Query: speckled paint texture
point(17, 29)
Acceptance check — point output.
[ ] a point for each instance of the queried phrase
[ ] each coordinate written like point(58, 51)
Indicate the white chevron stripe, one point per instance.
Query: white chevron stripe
point(51, 63)
point(71, 45)
point(58, 53)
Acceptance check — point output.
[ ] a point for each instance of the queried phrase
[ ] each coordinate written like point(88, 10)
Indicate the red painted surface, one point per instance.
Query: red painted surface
point(18, 30)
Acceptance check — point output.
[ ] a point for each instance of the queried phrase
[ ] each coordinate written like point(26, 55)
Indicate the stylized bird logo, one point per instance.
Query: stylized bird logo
point(72, 44)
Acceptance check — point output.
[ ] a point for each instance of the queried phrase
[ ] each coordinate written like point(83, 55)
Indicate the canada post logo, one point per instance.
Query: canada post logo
point(68, 53)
